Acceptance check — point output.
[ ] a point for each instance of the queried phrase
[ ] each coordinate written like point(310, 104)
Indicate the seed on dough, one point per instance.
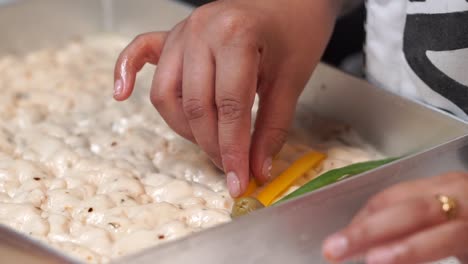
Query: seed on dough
point(114, 225)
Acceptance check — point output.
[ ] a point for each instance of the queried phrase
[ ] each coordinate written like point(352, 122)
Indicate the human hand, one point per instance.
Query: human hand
point(406, 224)
point(211, 65)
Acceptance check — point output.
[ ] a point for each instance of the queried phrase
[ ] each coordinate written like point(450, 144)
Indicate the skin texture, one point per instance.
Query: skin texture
point(406, 225)
point(211, 65)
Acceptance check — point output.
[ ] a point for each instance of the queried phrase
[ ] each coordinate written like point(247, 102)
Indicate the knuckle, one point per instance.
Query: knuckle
point(197, 20)
point(231, 152)
point(229, 110)
point(233, 20)
point(140, 38)
point(157, 98)
point(278, 135)
point(236, 26)
point(194, 109)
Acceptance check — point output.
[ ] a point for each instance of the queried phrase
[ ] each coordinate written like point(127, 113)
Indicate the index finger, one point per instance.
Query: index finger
point(145, 48)
point(236, 84)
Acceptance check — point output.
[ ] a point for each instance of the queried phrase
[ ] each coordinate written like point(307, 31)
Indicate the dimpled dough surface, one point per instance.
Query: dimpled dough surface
point(99, 179)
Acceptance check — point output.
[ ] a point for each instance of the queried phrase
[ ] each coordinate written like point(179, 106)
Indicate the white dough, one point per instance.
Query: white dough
point(96, 178)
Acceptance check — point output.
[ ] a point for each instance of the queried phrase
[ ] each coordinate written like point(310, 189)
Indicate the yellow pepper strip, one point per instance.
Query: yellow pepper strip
point(250, 188)
point(281, 183)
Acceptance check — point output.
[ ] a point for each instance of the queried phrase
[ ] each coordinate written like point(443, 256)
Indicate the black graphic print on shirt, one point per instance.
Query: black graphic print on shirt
point(436, 32)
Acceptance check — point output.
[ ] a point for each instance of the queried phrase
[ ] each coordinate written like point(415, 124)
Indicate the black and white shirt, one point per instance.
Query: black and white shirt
point(419, 49)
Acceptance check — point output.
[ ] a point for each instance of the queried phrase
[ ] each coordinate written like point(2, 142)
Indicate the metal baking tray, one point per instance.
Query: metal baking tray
point(291, 232)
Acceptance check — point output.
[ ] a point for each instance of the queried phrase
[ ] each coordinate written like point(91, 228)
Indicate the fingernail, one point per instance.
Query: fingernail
point(384, 256)
point(266, 170)
point(335, 247)
point(118, 87)
point(233, 184)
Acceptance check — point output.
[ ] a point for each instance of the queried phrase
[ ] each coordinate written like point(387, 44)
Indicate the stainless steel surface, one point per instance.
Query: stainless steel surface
point(17, 248)
point(293, 231)
point(394, 125)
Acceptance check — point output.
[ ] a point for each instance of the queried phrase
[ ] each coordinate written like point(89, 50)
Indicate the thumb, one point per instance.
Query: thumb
point(274, 117)
point(145, 48)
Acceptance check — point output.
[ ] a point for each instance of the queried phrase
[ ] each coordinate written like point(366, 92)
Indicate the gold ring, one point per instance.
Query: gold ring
point(449, 205)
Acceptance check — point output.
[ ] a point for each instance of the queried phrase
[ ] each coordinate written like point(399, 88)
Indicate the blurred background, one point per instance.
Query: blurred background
point(345, 47)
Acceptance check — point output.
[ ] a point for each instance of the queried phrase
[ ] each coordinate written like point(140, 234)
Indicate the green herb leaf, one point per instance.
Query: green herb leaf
point(336, 175)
